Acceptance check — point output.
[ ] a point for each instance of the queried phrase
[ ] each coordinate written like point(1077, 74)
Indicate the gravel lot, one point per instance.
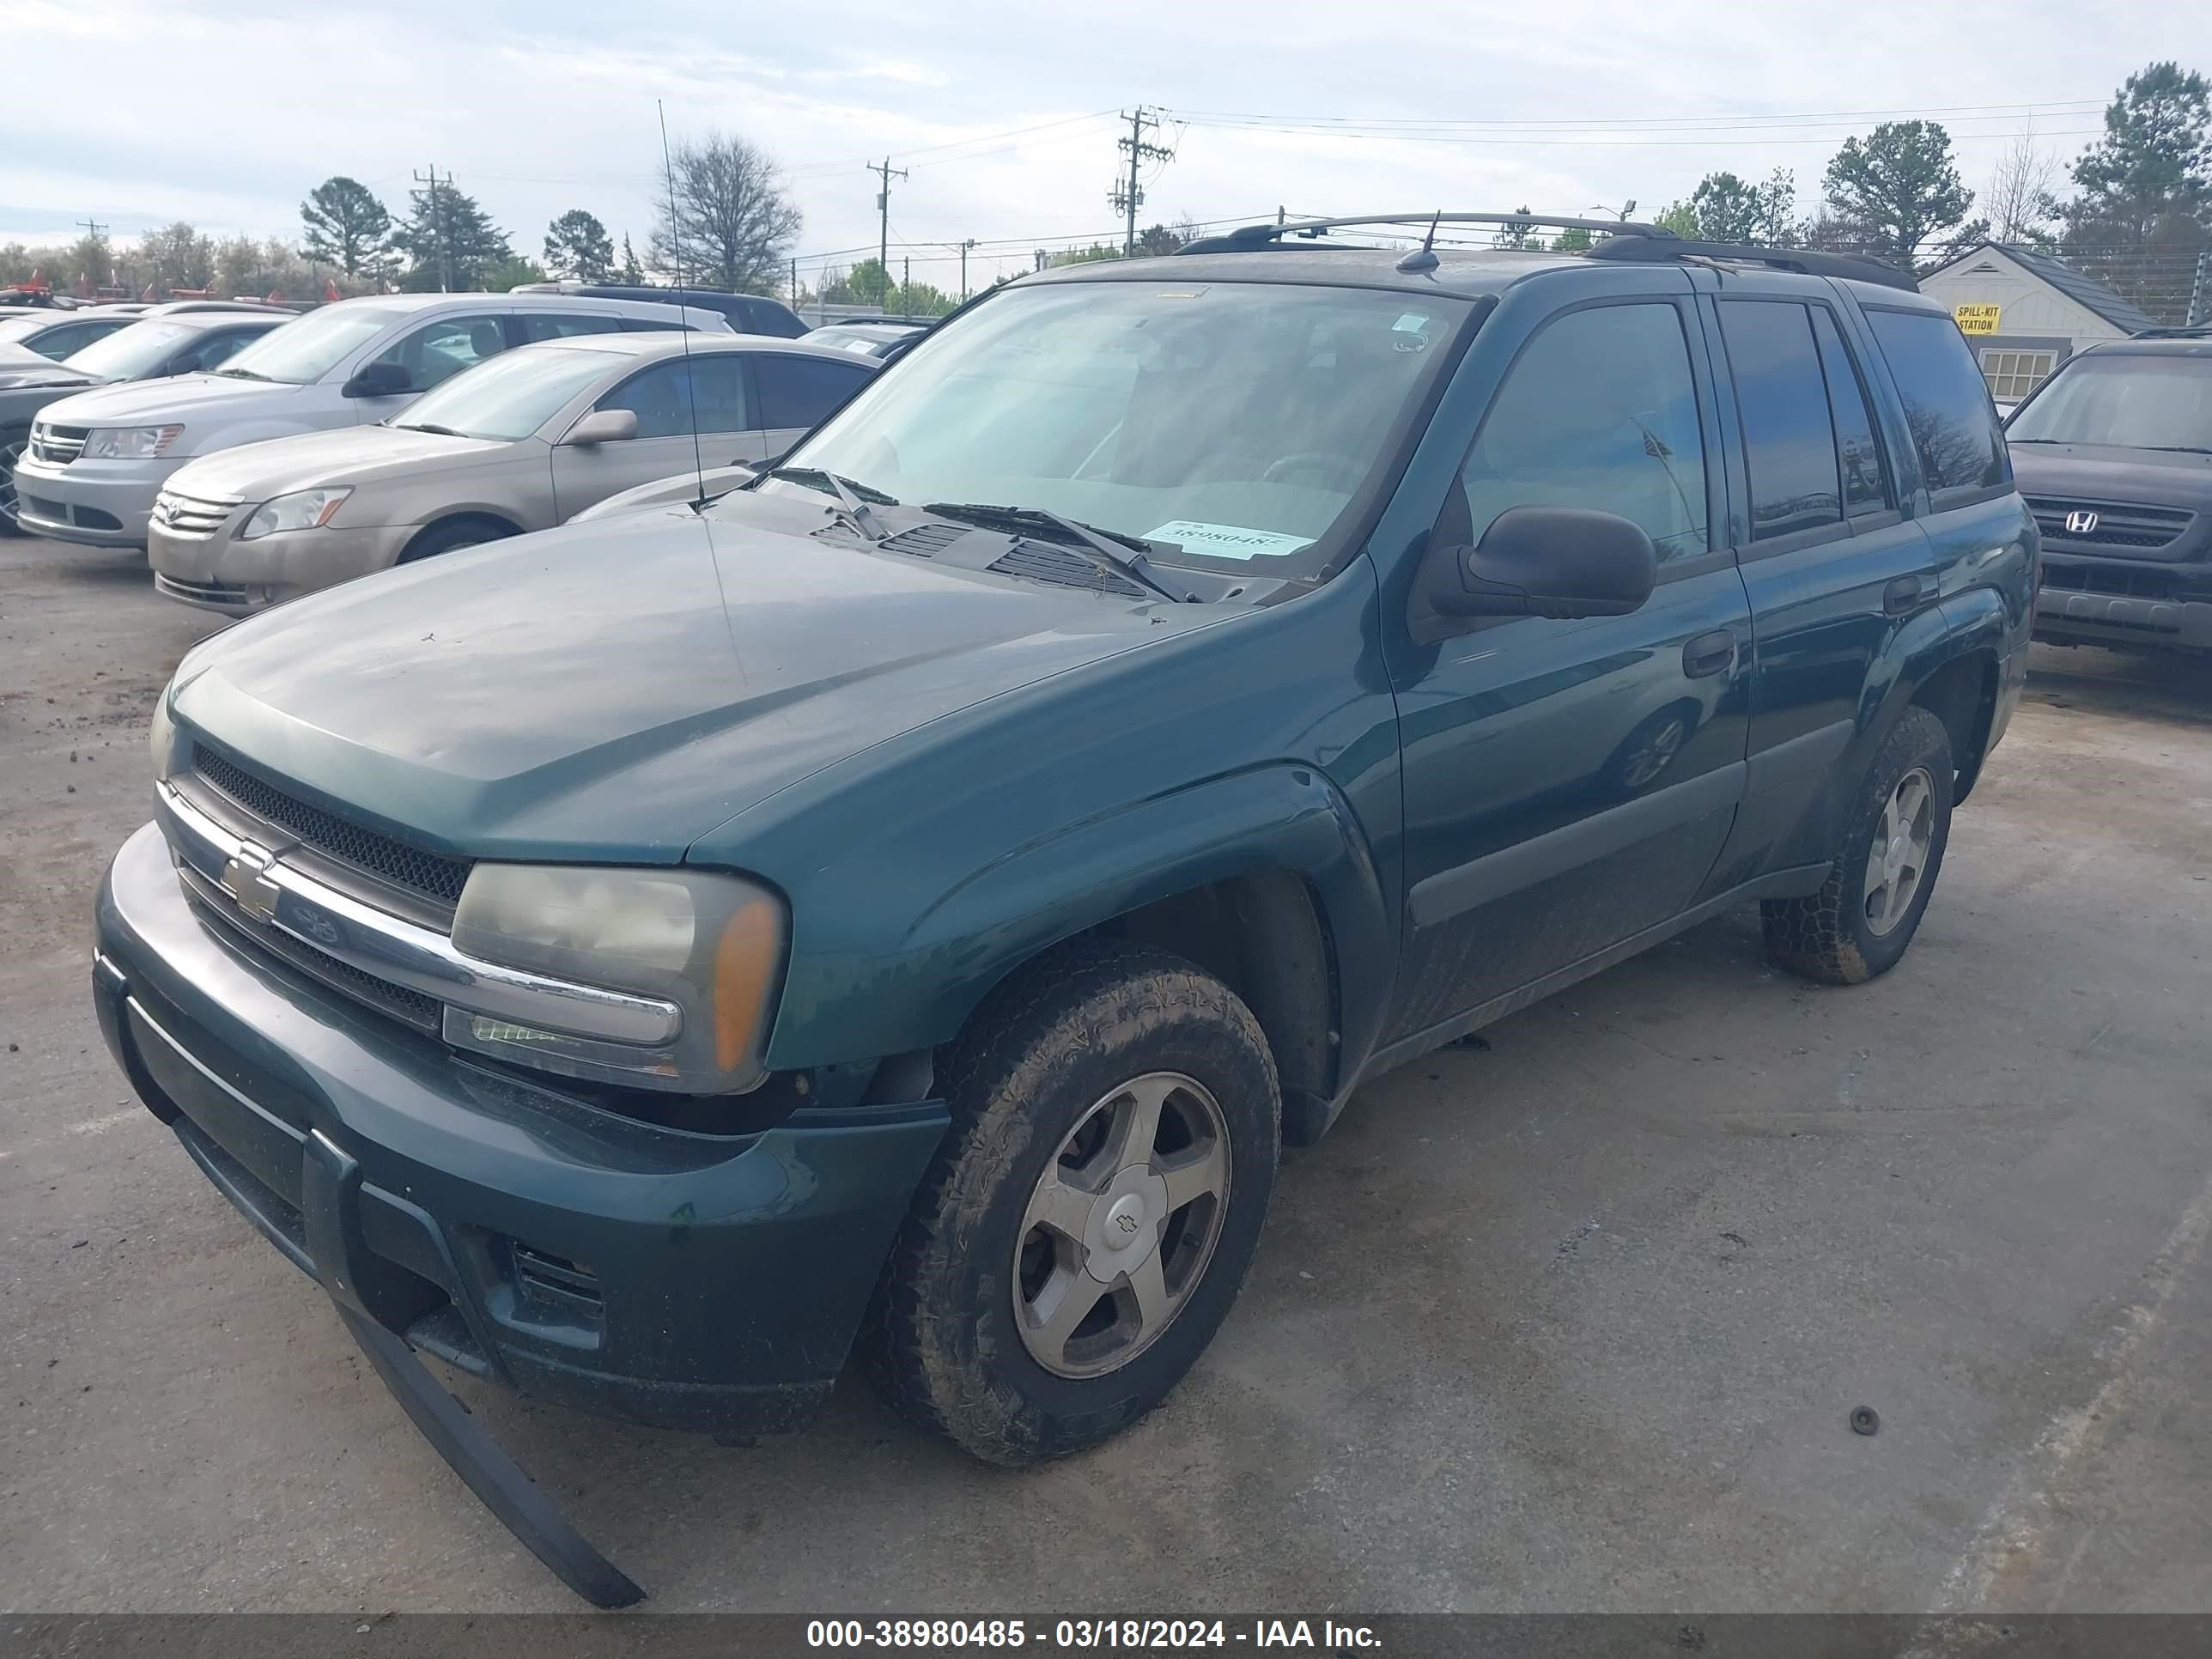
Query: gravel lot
point(1574, 1321)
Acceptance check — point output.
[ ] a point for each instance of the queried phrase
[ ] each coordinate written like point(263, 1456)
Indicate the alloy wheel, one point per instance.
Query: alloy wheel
point(1122, 1224)
point(1899, 856)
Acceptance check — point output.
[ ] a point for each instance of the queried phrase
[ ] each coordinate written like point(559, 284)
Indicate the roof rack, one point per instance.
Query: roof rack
point(2187, 331)
point(1624, 239)
point(1262, 235)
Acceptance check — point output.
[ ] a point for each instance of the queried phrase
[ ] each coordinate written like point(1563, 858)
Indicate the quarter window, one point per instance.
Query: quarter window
point(1858, 454)
point(1947, 403)
point(1789, 435)
point(2011, 376)
point(543, 325)
point(662, 397)
point(1600, 411)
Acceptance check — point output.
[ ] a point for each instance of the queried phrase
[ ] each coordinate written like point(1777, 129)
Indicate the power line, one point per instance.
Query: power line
point(2053, 106)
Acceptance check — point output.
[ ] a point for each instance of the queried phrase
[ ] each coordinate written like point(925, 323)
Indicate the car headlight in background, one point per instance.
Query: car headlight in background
point(304, 509)
point(711, 944)
point(129, 443)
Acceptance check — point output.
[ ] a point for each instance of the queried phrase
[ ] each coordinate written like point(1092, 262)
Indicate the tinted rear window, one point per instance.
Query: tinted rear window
point(1947, 402)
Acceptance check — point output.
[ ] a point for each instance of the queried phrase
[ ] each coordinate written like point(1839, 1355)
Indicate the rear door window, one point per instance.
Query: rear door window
point(536, 325)
point(800, 392)
point(1947, 403)
point(1782, 397)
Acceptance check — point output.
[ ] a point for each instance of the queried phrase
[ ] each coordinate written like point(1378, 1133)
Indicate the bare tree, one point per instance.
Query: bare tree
point(2020, 202)
point(728, 222)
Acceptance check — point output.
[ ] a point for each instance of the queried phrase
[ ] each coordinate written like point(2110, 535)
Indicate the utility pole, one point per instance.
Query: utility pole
point(94, 229)
point(1128, 196)
point(964, 246)
point(884, 217)
point(905, 283)
point(794, 284)
point(438, 227)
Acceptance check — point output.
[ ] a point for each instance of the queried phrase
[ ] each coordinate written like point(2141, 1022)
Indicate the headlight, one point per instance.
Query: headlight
point(304, 509)
point(711, 944)
point(162, 735)
point(130, 443)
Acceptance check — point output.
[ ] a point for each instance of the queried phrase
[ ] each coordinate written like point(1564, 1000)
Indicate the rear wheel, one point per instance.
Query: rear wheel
point(1864, 916)
point(1084, 1228)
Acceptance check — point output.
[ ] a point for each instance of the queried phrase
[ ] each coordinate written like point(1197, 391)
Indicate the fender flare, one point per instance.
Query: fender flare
point(1279, 816)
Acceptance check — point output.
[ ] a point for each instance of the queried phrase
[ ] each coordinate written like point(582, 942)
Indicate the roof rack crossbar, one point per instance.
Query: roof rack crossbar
point(2174, 331)
point(1262, 234)
point(1623, 239)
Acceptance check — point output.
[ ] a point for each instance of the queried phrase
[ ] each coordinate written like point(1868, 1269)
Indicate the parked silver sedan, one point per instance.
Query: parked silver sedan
point(521, 442)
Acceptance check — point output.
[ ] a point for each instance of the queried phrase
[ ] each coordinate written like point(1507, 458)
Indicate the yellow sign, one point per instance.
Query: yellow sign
point(1978, 319)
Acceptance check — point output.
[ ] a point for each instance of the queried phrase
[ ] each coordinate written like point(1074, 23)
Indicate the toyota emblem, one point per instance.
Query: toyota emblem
point(2081, 523)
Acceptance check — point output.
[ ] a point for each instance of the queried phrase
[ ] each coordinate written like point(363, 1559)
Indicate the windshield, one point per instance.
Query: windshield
point(2132, 399)
point(130, 352)
point(299, 353)
point(1220, 421)
point(510, 396)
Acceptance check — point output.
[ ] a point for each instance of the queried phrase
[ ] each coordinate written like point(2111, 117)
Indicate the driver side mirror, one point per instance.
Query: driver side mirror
point(604, 425)
point(1544, 561)
point(381, 378)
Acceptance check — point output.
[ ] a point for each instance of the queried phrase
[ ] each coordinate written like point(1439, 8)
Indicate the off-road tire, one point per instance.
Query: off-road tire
point(1826, 938)
point(941, 1342)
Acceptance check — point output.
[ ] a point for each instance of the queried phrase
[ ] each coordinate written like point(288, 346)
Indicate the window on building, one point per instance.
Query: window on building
point(2013, 375)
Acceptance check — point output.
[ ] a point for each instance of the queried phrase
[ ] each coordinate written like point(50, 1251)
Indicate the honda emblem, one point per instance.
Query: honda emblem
point(2081, 523)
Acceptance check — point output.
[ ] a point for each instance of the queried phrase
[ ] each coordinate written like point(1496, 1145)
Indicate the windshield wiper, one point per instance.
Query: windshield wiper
point(853, 497)
point(242, 374)
point(429, 426)
point(1098, 544)
point(2178, 449)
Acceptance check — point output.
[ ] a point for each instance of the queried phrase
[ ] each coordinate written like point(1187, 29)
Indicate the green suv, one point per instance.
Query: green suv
point(905, 905)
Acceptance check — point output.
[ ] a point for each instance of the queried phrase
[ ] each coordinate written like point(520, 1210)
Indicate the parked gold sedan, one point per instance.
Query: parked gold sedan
point(522, 442)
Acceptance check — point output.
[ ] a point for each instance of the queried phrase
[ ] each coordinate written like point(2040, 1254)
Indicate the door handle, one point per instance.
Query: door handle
point(1708, 654)
point(1901, 596)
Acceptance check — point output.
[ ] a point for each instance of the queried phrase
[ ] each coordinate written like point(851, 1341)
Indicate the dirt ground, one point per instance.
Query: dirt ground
point(1574, 1321)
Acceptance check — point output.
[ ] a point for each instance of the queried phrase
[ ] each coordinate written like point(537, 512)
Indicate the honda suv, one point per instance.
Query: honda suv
point(909, 900)
point(2114, 454)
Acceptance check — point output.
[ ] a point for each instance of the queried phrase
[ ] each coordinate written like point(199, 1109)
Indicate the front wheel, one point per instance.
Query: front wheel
point(1860, 922)
point(1089, 1220)
point(12, 445)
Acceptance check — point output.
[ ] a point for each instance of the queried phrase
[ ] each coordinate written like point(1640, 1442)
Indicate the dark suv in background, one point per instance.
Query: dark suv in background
point(748, 313)
point(909, 900)
point(2114, 455)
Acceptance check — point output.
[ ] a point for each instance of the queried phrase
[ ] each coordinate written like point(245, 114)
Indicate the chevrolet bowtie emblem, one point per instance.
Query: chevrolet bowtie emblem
point(246, 878)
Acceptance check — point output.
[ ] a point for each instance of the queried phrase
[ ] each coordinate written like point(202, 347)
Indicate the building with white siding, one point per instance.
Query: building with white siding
point(2025, 312)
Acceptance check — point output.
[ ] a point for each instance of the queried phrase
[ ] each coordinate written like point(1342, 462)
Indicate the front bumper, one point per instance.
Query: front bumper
point(95, 503)
point(221, 573)
point(2127, 604)
point(679, 1280)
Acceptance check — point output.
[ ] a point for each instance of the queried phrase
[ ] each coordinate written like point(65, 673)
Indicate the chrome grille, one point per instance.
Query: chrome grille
point(2115, 579)
point(193, 518)
point(394, 861)
point(402, 1002)
point(2117, 525)
point(60, 445)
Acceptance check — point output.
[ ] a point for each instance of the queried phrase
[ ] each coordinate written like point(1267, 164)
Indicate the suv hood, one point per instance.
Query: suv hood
point(351, 454)
point(148, 402)
point(20, 367)
point(610, 692)
point(2105, 472)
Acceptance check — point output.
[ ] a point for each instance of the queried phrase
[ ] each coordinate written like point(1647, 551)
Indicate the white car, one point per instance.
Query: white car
point(97, 461)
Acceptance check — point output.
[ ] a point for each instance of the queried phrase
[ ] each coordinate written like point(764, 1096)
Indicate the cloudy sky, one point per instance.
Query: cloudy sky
point(134, 112)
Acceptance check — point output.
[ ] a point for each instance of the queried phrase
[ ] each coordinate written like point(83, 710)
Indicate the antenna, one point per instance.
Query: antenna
point(1425, 259)
point(676, 246)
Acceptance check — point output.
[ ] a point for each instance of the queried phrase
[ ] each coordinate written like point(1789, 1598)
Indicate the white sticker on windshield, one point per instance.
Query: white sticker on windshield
point(1226, 541)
